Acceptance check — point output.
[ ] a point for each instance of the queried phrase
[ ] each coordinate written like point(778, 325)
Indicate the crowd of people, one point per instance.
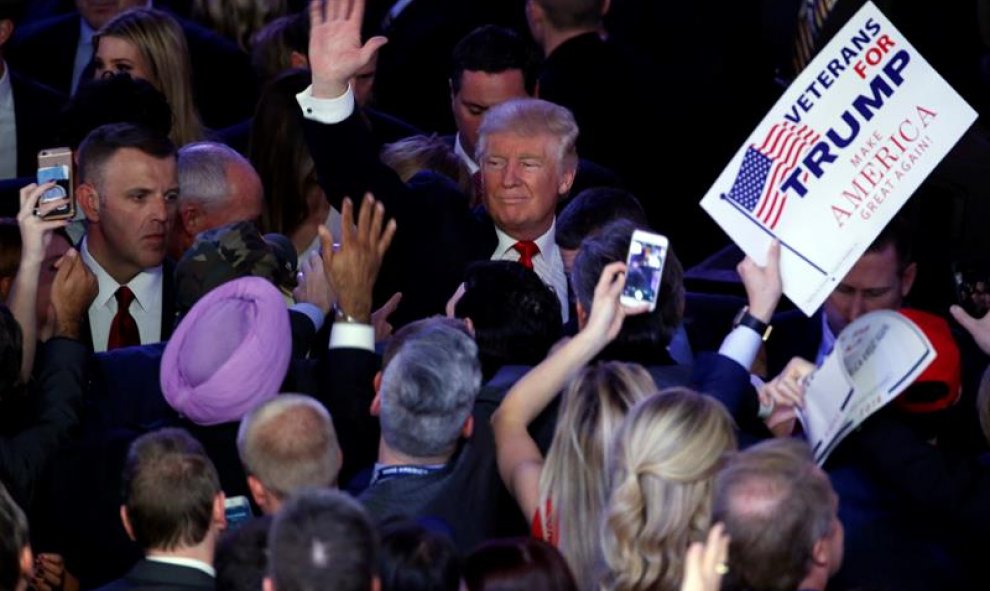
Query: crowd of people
point(340, 306)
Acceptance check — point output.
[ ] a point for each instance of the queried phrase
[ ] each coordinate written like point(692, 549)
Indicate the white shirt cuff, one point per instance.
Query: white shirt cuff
point(324, 110)
point(741, 345)
point(312, 311)
point(347, 335)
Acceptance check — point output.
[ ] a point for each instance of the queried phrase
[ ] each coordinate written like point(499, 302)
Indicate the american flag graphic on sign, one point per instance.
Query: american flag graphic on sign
point(766, 166)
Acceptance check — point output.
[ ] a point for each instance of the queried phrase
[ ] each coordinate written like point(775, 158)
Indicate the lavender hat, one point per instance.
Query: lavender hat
point(229, 354)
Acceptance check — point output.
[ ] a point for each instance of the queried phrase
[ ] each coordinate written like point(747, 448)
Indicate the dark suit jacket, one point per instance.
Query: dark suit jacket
point(463, 495)
point(25, 453)
point(148, 575)
point(36, 110)
point(225, 88)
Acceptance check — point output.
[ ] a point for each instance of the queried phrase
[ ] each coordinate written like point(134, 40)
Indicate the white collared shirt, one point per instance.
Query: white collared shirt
point(189, 562)
point(466, 158)
point(547, 263)
point(8, 127)
point(146, 307)
point(84, 53)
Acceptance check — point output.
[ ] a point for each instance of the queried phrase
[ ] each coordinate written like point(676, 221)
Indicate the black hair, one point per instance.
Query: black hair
point(593, 208)
point(516, 316)
point(493, 49)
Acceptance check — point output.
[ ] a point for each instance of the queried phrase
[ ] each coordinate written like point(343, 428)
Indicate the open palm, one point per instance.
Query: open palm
point(335, 49)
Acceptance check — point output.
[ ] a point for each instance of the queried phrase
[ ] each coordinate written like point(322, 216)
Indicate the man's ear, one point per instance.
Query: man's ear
point(89, 200)
point(907, 278)
point(6, 30)
point(267, 584)
point(376, 382)
point(582, 315)
point(192, 218)
point(535, 17)
point(27, 558)
point(468, 427)
point(820, 553)
point(127, 523)
point(567, 179)
point(376, 405)
point(258, 492)
point(219, 510)
point(298, 60)
point(5, 284)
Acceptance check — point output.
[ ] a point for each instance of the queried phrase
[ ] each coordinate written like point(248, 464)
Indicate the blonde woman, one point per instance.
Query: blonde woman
point(149, 44)
point(564, 495)
point(661, 472)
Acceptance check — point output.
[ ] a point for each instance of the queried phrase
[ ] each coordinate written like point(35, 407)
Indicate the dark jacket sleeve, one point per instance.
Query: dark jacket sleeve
point(728, 382)
point(937, 483)
point(347, 165)
point(60, 387)
point(346, 388)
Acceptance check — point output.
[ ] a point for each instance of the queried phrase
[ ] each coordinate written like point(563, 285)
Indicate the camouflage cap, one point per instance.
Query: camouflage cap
point(226, 253)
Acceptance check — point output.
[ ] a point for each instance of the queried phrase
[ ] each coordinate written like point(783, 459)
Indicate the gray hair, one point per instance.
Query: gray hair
point(532, 117)
point(289, 443)
point(428, 391)
point(203, 172)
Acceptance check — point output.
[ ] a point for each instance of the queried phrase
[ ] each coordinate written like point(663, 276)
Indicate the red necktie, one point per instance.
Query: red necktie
point(123, 329)
point(527, 249)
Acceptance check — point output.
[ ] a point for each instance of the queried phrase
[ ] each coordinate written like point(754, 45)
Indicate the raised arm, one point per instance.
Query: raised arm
point(344, 150)
point(36, 233)
point(519, 459)
point(61, 383)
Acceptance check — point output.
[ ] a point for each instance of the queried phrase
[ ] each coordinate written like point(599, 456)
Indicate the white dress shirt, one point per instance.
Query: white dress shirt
point(8, 127)
point(547, 264)
point(466, 158)
point(146, 309)
point(188, 562)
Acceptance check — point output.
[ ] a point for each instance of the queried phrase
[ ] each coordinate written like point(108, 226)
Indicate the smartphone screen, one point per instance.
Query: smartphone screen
point(644, 268)
point(56, 165)
point(237, 510)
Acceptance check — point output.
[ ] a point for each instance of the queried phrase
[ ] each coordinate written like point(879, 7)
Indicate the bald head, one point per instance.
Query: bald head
point(217, 186)
point(286, 445)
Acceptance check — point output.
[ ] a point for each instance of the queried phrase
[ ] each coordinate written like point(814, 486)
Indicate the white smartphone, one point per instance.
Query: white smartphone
point(644, 267)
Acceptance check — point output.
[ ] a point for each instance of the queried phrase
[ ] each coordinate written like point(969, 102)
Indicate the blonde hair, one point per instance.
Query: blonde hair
point(414, 154)
point(573, 480)
point(238, 20)
point(661, 475)
point(160, 41)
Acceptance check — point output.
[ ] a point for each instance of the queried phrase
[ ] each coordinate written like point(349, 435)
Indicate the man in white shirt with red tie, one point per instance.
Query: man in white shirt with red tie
point(128, 191)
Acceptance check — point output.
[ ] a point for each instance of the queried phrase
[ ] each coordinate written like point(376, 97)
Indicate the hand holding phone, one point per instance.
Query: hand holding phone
point(644, 268)
point(55, 164)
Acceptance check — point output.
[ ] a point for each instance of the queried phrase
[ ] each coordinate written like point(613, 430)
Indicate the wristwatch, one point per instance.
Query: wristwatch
point(744, 318)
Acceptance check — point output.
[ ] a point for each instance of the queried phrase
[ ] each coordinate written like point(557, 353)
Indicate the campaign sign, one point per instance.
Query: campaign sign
point(875, 358)
point(838, 155)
